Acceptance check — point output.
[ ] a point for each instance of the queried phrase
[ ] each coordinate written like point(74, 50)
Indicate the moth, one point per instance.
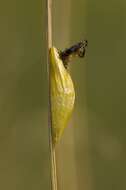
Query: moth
point(62, 92)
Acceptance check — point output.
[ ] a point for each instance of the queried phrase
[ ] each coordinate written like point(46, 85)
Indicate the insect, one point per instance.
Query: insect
point(76, 50)
point(62, 93)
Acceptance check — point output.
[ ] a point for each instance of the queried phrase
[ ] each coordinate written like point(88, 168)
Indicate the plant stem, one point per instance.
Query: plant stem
point(52, 148)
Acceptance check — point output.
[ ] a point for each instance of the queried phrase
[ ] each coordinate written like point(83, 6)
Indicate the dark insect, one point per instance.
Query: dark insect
point(76, 50)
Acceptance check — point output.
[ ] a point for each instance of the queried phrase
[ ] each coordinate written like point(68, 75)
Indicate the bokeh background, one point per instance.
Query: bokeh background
point(91, 154)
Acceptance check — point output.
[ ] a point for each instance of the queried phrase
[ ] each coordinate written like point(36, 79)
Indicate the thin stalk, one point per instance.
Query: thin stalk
point(52, 148)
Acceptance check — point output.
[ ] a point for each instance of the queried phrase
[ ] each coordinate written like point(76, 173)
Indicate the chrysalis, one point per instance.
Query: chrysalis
point(62, 91)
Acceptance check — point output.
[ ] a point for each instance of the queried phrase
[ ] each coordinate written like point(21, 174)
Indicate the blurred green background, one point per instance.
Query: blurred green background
point(91, 154)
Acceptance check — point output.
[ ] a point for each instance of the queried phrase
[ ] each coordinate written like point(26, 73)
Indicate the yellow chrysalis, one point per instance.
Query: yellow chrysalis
point(62, 95)
point(62, 91)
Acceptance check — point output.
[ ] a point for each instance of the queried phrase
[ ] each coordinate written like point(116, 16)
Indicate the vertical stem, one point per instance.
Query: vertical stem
point(52, 148)
point(49, 22)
